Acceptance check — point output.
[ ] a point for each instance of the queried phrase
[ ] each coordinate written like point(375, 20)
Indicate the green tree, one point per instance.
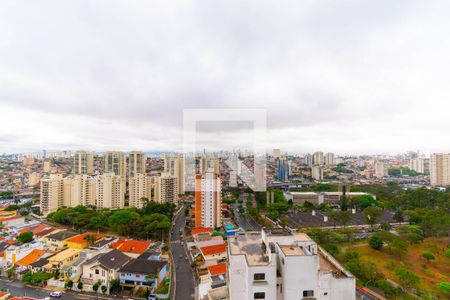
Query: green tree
point(104, 289)
point(407, 278)
point(371, 215)
point(25, 237)
point(96, 286)
point(428, 256)
point(69, 284)
point(80, 285)
point(375, 242)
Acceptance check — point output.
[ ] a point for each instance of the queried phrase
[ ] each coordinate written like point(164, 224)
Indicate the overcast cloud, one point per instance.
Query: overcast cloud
point(342, 76)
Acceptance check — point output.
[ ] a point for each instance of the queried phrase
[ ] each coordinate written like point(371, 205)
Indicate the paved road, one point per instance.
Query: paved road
point(21, 290)
point(361, 294)
point(184, 278)
point(247, 224)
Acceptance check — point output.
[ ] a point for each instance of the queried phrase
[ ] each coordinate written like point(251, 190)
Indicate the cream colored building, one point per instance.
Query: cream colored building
point(208, 196)
point(34, 178)
point(83, 190)
point(317, 172)
point(329, 159)
point(166, 189)
point(115, 162)
point(439, 169)
point(206, 163)
point(318, 158)
point(140, 186)
point(136, 163)
point(110, 191)
point(276, 153)
point(417, 165)
point(174, 165)
point(47, 167)
point(380, 170)
point(83, 162)
point(52, 193)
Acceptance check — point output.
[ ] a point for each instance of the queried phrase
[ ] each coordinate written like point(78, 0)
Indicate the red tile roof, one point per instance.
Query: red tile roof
point(201, 230)
point(217, 269)
point(131, 246)
point(10, 218)
point(81, 237)
point(215, 249)
point(31, 258)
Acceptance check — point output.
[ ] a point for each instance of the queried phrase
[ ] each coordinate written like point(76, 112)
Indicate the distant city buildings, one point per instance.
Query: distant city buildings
point(379, 169)
point(174, 165)
point(282, 168)
point(329, 159)
point(208, 194)
point(317, 172)
point(115, 162)
point(136, 163)
point(166, 188)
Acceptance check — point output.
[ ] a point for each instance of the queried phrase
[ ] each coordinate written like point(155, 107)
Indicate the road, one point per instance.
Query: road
point(247, 224)
point(363, 295)
point(21, 290)
point(183, 275)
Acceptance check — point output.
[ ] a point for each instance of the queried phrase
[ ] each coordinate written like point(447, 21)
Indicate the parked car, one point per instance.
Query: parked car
point(56, 294)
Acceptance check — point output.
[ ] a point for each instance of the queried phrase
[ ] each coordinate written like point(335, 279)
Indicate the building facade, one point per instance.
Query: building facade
point(208, 191)
point(83, 162)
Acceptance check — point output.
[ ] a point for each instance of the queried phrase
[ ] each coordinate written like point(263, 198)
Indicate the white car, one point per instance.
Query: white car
point(56, 294)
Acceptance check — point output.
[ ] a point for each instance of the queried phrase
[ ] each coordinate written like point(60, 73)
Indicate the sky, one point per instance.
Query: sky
point(358, 77)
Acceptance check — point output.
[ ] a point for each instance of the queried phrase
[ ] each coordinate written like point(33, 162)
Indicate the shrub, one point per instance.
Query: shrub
point(428, 256)
point(375, 242)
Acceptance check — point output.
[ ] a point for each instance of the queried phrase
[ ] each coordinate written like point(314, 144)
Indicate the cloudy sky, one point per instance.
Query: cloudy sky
point(342, 76)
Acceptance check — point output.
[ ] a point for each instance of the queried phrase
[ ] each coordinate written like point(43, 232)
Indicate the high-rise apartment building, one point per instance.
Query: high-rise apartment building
point(208, 195)
point(379, 169)
point(136, 163)
point(140, 186)
point(417, 164)
point(115, 162)
point(308, 160)
point(440, 169)
point(329, 159)
point(318, 158)
point(276, 153)
point(47, 166)
point(83, 190)
point(34, 178)
point(83, 162)
point(166, 188)
point(52, 193)
point(280, 264)
point(174, 165)
point(110, 191)
point(317, 172)
point(206, 163)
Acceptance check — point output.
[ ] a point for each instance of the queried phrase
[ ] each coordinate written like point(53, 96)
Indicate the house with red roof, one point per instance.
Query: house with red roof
point(133, 248)
point(83, 240)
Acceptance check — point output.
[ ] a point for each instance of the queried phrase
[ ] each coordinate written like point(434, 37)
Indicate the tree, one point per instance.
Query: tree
point(428, 256)
point(114, 286)
point(375, 242)
point(90, 238)
point(96, 286)
point(407, 278)
point(414, 238)
point(344, 202)
point(80, 285)
point(104, 289)
point(371, 215)
point(25, 237)
point(69, 284)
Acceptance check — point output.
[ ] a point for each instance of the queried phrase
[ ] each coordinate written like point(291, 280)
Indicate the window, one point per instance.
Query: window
point(96, 271)
point(259, 295)
point(308, 293)
point(259, 276)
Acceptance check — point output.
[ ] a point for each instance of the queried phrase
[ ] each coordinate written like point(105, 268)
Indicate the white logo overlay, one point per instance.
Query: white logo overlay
point(255, 155)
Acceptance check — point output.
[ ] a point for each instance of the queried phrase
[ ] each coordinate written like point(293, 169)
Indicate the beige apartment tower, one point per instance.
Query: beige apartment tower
point(166, 189)
point(439, 169)
point(174, 165)
point(140, 186)
point(83, 162)
point(52, 193)
point(136, 163)
point(115, 162)
point(110, 191)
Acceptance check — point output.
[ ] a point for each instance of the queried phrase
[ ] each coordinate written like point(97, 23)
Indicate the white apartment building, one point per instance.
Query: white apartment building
point(280, 264)
point(110, 191)
point(174, 165)
point(83, 162)
point(136, 163)
point(208, 196)
point(140, 186)
point(166, 188)
point(83, 190)
point(34, 178)
point(417, 165)
point(206, 163)
point(115, 162)
point(440, 169)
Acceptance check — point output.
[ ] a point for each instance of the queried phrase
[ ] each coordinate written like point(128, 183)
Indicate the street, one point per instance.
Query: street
point(183, 279)
point(20, 290)
point(247, 224)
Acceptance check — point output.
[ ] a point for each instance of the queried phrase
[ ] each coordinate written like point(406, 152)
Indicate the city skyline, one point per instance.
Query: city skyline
point(348, 78)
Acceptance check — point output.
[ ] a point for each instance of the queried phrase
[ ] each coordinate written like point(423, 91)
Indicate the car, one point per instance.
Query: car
point(56, 294)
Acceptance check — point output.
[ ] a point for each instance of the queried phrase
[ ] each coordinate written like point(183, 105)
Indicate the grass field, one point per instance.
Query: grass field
point(430, 273)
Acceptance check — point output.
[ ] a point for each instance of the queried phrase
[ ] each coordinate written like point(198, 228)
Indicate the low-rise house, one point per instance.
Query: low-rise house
point(143, 272)
point(103, 244)
point(213, 255)
point(132, 248)
point(83, 240)
point(33, 256)
point(58, 240)
point(62, 259)
point(12, 221)
point(103, 268)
